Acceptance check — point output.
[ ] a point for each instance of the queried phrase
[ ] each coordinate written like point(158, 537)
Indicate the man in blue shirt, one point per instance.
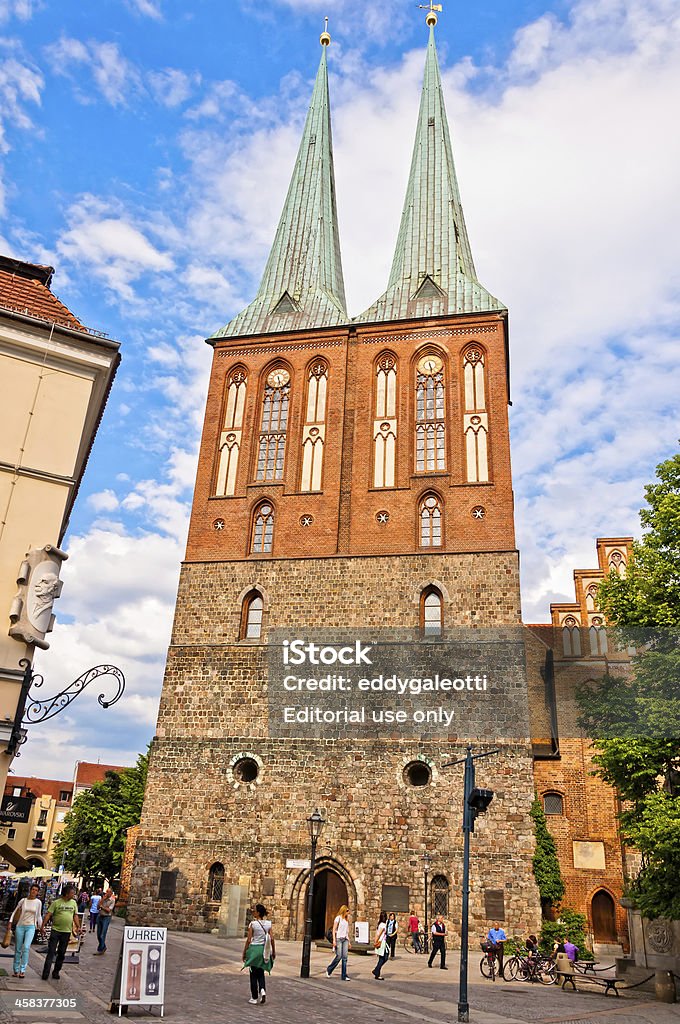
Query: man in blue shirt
point(497, 937)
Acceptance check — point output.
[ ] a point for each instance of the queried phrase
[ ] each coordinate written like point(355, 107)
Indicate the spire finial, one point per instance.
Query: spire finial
point(431, 16)
point(325, 38)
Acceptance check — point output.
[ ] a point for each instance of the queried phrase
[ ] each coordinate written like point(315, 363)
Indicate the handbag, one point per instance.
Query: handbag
point(7, 936)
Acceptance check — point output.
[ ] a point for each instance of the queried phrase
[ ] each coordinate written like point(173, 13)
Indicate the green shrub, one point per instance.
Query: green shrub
point(571, 924)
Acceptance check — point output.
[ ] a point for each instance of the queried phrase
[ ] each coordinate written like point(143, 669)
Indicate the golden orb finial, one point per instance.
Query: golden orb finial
point(431, 16)
point(325, 38)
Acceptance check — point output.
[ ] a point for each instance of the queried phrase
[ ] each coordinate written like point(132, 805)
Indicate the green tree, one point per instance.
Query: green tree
point(93, 838)
point(635, 722)
point(546, 863)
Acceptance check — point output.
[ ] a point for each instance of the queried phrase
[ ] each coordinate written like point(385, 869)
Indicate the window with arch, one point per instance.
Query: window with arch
point(571, 637)
point(230, 437)
point(314, 430)
point(263, 529)
point(385, 421)
point(476, 417)
point(439, 894)
point(251, 616)
point(430, 515)
point(215, 883)
point(553, 803)
point(431, 612)
point(598, 637)
point(273, 425)
point(591, 597)
point(430, 415)
point(617, 562)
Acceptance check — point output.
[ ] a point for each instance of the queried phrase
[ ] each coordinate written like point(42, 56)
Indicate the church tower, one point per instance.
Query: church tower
point(353, 473)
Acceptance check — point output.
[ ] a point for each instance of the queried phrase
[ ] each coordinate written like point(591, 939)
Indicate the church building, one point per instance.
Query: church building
point(353, 473)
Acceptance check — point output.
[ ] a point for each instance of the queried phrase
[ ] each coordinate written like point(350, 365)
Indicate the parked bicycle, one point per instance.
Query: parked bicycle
point(530, 968)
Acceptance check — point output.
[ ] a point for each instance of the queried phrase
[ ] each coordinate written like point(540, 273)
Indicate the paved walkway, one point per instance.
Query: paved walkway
point(204, 985)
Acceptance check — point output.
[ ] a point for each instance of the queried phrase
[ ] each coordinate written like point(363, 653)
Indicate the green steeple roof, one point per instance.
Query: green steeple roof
point(302, 285)
point(432, 271)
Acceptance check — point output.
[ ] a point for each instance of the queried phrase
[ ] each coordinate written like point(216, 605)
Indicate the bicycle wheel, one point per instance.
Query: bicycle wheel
point(546, 973)
point(485, 967)
point(408, 944)
point(511, 968)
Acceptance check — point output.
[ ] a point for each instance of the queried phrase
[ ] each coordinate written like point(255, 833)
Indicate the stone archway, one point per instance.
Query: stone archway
point(603, 914)
point(333, 885)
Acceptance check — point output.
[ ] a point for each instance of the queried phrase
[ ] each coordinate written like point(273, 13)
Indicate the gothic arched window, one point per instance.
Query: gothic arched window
point(476, 417)
point(591, 597)
point(215, 883)
point(553, 803)
point(263, 529)
point(598, 638)
point(617, 563)
point(230, 437)
point(431, 609)
point(430, 516)
point(251, 616)
point(385, 421)
point(571, 637)
point(430, 415)
point(273, 425)
point(439, 890)
point(314, 431)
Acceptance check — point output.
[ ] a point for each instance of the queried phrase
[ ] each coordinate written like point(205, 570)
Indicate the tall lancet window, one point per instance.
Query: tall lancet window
point(262, 538)
point(314, 432)
point(430, 415)
point(430, 515)
point(476, 417)
point(273, 426)
point(385, 421)
point(230, 438)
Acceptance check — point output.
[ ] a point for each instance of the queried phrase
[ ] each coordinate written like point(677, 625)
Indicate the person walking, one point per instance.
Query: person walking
point(28, 920)
point(438, 942)
point(94, 909)
point(341, 943)
point(65, 922)
point(392, 931)
point(83, 901)
point(106, 905)
point(414, 929)
point(381, 946)
point(259, 953)
point(496, 936)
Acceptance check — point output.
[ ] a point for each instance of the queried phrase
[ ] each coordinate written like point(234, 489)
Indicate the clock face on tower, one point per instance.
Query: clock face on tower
point(429, 365)
point(278, 378)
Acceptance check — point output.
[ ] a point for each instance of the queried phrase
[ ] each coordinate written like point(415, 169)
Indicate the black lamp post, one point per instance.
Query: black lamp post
point(316, 824)
point(475, 801)
point(427, 860)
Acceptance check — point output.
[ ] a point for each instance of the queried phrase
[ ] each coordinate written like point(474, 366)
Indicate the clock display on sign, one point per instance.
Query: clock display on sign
point(278, 378)
point(429, 365)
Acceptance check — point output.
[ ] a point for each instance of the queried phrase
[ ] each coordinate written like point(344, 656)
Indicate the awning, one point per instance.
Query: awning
point(8, 853)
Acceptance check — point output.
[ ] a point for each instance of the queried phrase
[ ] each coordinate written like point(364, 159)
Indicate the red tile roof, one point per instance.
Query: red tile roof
point(24, 288)
point(87, 773)
point(39, 787)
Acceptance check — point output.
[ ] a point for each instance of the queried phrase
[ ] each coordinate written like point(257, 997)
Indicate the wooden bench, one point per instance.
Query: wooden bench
point(564, 968)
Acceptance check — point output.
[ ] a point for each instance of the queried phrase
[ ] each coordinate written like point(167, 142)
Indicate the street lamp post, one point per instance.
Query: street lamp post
point(427, 860)
point(475, 801)
point(316, 824)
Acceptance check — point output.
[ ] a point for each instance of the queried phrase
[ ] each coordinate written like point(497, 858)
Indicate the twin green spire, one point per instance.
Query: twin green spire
point(432, 271)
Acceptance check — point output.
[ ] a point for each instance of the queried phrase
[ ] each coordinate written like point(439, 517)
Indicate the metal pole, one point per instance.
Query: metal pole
point(307, 941)
point(427, 934)
point(468, 786)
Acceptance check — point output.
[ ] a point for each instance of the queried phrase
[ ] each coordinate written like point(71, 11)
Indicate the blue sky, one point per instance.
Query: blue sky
point(145, 151)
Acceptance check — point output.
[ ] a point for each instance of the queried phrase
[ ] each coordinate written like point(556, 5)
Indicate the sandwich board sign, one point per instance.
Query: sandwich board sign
point(142, 978)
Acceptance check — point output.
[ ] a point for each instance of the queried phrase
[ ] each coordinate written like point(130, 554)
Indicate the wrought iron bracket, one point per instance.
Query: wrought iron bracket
point(31, 711)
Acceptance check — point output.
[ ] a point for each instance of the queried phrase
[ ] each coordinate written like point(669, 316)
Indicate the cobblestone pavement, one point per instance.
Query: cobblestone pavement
point(204, 984)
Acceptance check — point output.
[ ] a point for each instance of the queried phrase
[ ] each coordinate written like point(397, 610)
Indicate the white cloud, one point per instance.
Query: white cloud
point(21, 9)
point(148, 8)
point(103, 501)
point(21, 85)
point(116, 78)
point(172, 87)
point(100, 238)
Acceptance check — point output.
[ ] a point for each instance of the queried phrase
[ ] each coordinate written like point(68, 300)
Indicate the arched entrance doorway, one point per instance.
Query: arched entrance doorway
point(603, 910)
point(330, 892)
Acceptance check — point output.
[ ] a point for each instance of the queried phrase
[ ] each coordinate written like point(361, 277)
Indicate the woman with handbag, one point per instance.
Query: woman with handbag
point(381, 946)
point(392, 932)
point(340, 943)
point(259, 953)
point(28, 919)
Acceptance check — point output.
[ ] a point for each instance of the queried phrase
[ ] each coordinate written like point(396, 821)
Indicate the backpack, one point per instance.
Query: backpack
point(329, 935)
